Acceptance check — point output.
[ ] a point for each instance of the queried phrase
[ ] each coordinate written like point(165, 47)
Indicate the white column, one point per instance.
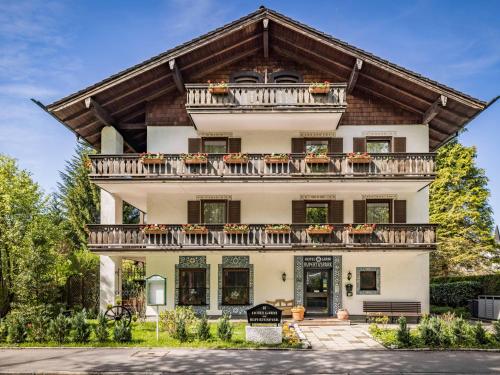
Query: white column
point(111, 213)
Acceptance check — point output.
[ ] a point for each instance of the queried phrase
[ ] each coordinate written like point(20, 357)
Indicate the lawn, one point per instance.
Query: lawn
point(144, 335)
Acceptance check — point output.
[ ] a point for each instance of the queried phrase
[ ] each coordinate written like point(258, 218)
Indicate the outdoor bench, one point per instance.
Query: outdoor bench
point(283, 305)
point(392, 309)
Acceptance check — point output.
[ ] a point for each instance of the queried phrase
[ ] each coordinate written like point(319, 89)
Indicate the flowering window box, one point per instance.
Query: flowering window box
point(317, 158)
point(198, 158)
point(236, 228)
point(320, 229)
point(218, 88)
point(154, 229)
point(319, 88)
point(359, 158)
point(276, 158)
point(194, 229)
point(278, 229)
point(152, 158)
point(361, 229)
point(236, 158)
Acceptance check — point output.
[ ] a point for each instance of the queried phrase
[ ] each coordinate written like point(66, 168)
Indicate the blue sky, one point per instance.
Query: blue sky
point(49, 49)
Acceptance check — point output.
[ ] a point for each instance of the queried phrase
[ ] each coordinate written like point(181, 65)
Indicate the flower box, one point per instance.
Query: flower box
point(319, 88)
point(319, 229)
point(317, 159)
point(236, 229)
point(359, 158)
point(199, 158)
point(278, 229)
point(194, 229)
point(362, 229)
point(150, 158)
point(154, 229)
point(218, 88)
point(276, 159)
point(236, 158)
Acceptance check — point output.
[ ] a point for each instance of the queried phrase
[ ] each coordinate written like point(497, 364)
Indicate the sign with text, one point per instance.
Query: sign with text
point(264, 314)
point(318, 262)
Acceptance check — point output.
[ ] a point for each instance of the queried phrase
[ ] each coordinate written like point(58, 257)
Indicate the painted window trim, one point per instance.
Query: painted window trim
point(358, 281)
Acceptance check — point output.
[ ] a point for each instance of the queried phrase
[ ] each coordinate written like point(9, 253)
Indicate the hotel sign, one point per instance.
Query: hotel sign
point(318, 262)
point(264, 314)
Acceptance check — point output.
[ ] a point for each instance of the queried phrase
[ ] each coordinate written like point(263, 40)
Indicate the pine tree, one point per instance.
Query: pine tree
point(459, 204)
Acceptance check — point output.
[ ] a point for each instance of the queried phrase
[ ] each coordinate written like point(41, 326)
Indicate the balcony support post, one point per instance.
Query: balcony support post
point(176, 74)
point(110, 275)
point(354, 75)
point(434, 109)
point(265, 37)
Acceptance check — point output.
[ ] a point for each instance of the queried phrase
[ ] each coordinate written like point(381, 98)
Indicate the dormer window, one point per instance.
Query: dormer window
point(285, 77)
point(246, 77)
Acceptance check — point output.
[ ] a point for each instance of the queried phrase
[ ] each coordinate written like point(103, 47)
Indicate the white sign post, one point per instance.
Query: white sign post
point(156, 291)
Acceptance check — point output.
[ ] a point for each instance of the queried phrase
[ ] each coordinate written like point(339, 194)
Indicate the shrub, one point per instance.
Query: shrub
point(460, 330)
point(81, 329)
point(480, 334)
point(496, 330)
point(203, 329)
point(3, 330)
point(16, 328)
point(490, 284)
point(225, 328)
point(403, 332)
point(60, 328)
point(38, 327)
point(101, 329)
point(122, 332)
point(430, 331)
point(455, 293)
point(178, 323)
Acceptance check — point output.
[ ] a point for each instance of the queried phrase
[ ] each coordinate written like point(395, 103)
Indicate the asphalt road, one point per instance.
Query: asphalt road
point(79, 360)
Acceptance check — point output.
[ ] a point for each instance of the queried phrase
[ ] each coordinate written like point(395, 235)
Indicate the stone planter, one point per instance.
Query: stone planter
point(298, 313)
point(342, 314)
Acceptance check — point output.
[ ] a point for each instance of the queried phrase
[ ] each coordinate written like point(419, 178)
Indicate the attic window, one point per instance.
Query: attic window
point(286, 77)
point(246, 77)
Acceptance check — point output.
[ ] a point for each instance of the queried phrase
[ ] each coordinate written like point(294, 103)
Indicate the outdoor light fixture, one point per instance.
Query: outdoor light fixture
point(349, 275)
point(283, 276)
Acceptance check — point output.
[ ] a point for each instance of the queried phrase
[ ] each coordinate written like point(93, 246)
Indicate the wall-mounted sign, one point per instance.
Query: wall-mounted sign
point(264, 314)
point(318, 262)
point(156, 290)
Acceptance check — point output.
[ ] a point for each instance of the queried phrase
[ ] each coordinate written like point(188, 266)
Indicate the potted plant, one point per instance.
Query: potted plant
point(196, 158)
point(278, 229)
point(276, 158)
point(317, 158)
point(298, 313)
point(154, 229)
point(319, 87)
point(342, 314)
point(218, 88)
point(361, 229)
point(194, 229)
point(359, 158)
point(151, 158)
point(236, 158)
point(236, 228)
point(319, 229)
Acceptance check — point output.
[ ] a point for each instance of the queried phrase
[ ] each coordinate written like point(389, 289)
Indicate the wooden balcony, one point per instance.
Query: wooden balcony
point(104, 238)
point(412, 166)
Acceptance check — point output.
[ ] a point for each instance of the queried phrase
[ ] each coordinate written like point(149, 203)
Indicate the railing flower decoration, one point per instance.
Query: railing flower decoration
point(236, 228)
point(319, 229)
point(278, 229)
point(359, 157)
point(151, 158)
point(361, 229)
point(236, 158)
point(194, 229)
point(196, 158)
point(218, 88)
point(317, 158)
point(319, 87)
point(276, 158)
point(154, 229)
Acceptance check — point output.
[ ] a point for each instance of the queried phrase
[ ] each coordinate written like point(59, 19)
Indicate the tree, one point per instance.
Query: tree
point(459, 204)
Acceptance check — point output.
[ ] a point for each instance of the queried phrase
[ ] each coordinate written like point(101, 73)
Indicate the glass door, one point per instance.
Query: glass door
point(317, 290)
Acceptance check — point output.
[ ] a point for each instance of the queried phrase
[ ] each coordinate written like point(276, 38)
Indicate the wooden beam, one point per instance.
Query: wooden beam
point(132, 126)
point(358, 64)
point(434, 109)
point(100, 113)
point(265, 37)
point(176, 74)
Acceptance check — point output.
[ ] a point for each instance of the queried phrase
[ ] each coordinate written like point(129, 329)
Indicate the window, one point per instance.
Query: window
point(246, 77)
point(368, 280)
point(215, 145)
point(378, 211)
point(316, 212)
point(235, 286)
point(192, 286)
point(378, 145)
point(285, 77)
point(318, 146)
point(213, 212)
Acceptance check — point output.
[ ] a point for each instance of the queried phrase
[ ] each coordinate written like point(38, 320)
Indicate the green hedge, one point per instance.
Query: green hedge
point(454, 294)
point(490, 284)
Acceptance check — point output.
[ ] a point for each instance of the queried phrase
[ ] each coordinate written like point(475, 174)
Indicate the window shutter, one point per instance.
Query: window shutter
point(359, 211)
point(336, 212)
point(234, 212)
point(399, 144)
point(194, 145)
point(336, 145)
point(193, 214)
point(298, 212)
point(359, 144)
point(234, 145)
point(400, 211)
point(298, 146)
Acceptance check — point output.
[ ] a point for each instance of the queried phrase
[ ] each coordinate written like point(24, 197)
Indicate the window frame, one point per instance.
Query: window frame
point(380, 139)
point(225, 139)
point(328, 208)
point(224, 286)
point(194, 270)
point(391, 209)
point(259, 77)
point(316, 139)
point(202, 210)
point(358, 280)
point(286, 73)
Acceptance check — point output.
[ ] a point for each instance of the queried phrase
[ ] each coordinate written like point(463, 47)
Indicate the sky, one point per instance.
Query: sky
point(49, 49)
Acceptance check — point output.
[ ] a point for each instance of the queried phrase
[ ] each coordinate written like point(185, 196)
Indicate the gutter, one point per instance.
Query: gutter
point(453, 136)
point(44, 108)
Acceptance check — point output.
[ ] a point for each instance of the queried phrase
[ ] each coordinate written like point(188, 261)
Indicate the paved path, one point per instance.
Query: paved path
point(69, 361)
point(353, 337)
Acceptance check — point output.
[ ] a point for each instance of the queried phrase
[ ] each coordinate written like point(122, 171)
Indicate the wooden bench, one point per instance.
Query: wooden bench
point(283, 305)
point(392, 309)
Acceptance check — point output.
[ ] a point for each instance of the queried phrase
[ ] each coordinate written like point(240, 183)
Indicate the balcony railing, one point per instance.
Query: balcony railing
point(265, 96)
point(132, 237)
point(382, 166)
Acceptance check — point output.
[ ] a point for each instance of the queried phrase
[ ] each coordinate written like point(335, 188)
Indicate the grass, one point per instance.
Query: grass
point(144, 335)
point(458, 311)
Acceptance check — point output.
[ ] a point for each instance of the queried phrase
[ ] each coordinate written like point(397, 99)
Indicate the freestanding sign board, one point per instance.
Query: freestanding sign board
point(156, 295)
point(264, 314)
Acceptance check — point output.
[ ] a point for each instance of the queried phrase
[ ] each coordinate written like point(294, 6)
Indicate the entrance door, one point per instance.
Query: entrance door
point(317, 290)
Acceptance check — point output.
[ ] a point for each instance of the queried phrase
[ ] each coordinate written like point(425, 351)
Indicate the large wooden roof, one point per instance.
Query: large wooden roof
point(120, 100)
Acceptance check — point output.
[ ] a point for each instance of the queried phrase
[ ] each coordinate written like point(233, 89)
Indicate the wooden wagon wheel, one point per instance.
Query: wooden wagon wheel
point(118, 313)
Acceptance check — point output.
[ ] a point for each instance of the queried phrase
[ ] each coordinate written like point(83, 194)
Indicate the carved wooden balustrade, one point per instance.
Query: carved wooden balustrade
point(132, 237)
point(386, 166)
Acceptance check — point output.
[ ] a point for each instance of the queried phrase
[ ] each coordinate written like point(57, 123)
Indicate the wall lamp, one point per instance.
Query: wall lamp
point(283, 276)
